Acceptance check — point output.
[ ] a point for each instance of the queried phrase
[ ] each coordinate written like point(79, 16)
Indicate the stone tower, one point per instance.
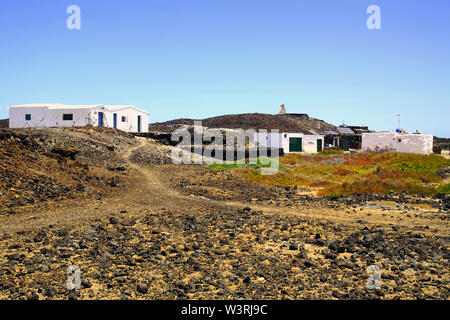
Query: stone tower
point(282, 110)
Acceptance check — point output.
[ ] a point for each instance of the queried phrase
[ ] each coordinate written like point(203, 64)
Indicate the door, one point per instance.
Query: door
point(115, 120)
point(139, 124)
point(100, 119)
point(319, 145)
point(295, 144)
point(345, 144)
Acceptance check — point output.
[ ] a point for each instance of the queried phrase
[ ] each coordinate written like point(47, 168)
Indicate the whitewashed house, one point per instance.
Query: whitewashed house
point(125, 118)
point(398, 142)
point(291, 142)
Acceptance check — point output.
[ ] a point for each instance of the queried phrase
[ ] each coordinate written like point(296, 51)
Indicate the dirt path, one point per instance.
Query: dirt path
point(147, 194)
point(151, 192)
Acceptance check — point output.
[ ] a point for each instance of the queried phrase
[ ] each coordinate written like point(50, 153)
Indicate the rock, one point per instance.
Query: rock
point(293, 247)
point(328, 255)
point(92, 232)
point(40, 236)
point(85, 284)
point(246, 280)
point(336, 245)
point(113, 220)
point(113, 243)
point(33, 296)
point(73, 296)
point(65, 152)
point(410, 272)
point(244, 210)
point(119, 168)
point(126, 292)
point(49, 291)
point(142, 288)
point(444, 173)
point(43, 267)
point(6, 284)
point(425, 278)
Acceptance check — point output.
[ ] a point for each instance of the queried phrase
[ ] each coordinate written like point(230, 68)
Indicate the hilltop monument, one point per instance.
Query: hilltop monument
point(282, 110)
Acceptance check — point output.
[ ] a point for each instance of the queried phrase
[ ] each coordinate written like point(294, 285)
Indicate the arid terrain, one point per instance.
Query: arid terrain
point(286, 123)
point(140, 227)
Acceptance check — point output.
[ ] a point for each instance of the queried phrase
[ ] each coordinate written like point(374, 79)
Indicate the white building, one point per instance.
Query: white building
point(398, 142)
point(126, 118)
point(291, 142)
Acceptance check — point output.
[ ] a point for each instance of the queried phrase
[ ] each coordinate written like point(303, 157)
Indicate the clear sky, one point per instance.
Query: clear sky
point(201, 58)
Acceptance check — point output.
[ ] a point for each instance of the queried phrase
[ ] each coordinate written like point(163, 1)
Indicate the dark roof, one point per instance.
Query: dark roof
point(345, 130)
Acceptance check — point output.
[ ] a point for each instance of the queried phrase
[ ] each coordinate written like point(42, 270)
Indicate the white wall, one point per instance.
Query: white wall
point(43, 117)
point(309, 142)
point(131, 116)
point(285, 140)
point(398, 142)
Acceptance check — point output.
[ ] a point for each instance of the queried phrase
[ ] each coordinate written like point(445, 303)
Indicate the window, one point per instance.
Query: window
point(68, 117)
point(124, 119)
point(27, 117)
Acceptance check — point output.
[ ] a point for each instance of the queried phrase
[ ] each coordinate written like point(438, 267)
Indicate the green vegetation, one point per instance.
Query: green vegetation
point(263, 162)
point(344, 174)
point(422, 164)
point(330, 151)
point(444, 188)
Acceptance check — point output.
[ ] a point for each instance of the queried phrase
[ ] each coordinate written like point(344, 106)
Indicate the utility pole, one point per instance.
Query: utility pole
point(398, 116)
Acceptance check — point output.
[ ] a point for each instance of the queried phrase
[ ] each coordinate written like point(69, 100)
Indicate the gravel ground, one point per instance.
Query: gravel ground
point(186, 232)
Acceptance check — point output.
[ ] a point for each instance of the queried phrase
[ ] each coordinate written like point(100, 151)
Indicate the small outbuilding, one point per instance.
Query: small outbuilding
point(126, 118)
point(291, 142)
point(398, 142)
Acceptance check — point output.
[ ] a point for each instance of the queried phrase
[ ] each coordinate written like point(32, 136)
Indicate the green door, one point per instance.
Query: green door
point(319, 145)
point(345, 144)
point(295, 144)
point(139, 123)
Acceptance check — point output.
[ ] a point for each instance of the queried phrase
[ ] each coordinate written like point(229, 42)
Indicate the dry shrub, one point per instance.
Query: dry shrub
point(321, 184)
point(343, 172)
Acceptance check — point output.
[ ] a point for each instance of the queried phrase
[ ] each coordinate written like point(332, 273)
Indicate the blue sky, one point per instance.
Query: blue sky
point(201, 58)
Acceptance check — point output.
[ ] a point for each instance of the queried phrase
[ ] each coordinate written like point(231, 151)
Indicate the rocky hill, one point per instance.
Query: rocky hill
point(52, 165)
point(291, 122)
point(4, 123)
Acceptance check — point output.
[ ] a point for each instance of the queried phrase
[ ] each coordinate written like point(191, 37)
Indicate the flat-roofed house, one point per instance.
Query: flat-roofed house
point(124, 117)
point(398, 142)
point(291, 142)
